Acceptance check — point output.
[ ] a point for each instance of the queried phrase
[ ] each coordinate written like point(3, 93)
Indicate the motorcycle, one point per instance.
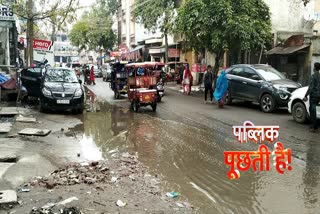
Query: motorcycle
point(160, 90)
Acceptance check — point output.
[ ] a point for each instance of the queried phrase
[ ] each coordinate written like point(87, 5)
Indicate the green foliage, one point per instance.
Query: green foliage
point(94, 30)
point(155, 14)
point(224, 25)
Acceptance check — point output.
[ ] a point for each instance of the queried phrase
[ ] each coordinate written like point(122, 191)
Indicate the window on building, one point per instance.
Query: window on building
point(57, 58)
point(63, 38)
point(64, 59)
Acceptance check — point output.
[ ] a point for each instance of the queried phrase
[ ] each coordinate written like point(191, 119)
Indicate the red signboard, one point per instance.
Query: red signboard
point(173, 53)
point(198, 67)
point(44, 45)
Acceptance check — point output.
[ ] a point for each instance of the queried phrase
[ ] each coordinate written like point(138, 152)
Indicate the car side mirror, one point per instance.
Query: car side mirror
point(80, 81)
point(256, 77)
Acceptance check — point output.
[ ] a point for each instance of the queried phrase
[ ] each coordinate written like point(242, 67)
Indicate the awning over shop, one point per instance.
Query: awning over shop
point(134, 53)
point(286, 50)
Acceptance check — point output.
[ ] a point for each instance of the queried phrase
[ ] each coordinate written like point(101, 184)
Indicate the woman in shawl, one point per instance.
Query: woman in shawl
point(92, 79)
point(187, 80)
point(221, 88)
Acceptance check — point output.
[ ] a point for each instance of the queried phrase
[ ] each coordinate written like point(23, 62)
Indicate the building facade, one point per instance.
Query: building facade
point(9, 27)
point(64, 51)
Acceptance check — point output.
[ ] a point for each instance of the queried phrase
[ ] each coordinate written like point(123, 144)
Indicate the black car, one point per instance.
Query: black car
point(57, 88)
point(61, 90)
point(259, 83)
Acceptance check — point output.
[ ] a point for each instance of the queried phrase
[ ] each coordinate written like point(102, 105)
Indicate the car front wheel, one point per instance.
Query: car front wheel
point(227, 98)
point(267, 103)
point(299, 112)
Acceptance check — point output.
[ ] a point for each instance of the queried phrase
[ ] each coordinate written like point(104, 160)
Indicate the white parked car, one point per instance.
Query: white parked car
point(298, 108)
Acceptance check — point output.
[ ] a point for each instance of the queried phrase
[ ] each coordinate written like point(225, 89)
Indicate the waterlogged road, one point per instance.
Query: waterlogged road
point(184, 143)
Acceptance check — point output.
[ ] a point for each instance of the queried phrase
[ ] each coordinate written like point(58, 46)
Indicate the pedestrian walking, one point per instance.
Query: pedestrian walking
point(208, 81)
point(221, 88)
point(187, 81)
point(92, 79)
point(314, 94)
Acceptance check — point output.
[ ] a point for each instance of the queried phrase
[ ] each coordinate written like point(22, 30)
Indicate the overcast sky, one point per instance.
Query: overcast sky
point(85, 3)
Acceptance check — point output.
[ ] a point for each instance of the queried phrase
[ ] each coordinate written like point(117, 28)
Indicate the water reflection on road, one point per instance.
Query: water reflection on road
point(191, 162)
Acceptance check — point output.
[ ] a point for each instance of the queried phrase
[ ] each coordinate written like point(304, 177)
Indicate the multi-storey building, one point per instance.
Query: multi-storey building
point(64, 51)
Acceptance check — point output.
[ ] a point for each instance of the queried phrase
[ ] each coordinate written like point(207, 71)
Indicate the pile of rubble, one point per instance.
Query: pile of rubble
point(71, 210)
point(91, 173)
point(75, 173)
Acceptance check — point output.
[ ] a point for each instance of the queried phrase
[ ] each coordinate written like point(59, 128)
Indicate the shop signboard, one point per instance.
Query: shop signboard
point(42, 49)
point(173, 53)
point(6, 14)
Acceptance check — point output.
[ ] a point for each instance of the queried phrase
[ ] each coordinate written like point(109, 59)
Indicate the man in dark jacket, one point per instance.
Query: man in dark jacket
point(208, 81)
point(314, 92)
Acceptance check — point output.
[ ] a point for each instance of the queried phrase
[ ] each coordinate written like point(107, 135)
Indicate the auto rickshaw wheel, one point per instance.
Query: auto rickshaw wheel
point(154, 106)
point(136, 106)
point(132, 106)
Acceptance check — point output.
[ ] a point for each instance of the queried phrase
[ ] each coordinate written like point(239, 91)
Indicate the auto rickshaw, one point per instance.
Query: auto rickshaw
point(174, 71)
point(142, 84)
point(119, 79)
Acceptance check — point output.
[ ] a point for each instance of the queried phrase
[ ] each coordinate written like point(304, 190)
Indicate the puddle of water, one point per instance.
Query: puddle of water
point(191, 161)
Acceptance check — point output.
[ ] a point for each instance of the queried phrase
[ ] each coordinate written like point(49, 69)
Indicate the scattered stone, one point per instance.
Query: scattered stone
point(180, 205)
point(35, 132)
point(24, 190)
point(5, 127)
point(23, 119)
point(67, 201)
point(114, 179)
point(8, 197)
point(120, 203)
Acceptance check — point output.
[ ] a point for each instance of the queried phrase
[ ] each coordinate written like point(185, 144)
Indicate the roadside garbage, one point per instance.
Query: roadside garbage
point(24, 190)
point(71, 210)
point(172, 194)
point(114, 179)
point(73, 174)
point(180, 205)
point(121, 204)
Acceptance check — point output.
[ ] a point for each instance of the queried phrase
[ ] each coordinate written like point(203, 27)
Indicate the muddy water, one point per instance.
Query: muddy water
point(191, 162)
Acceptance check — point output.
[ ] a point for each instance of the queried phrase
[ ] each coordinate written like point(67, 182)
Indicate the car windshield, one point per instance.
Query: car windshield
point(269, 73)
point(61, 75)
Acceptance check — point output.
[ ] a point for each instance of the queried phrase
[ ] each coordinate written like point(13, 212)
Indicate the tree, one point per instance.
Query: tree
point(57, 12)
point(156, 14)
point(94, 30)
point(224, 25)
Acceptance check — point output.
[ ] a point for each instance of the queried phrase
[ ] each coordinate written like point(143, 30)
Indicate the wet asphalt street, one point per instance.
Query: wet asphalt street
point(184, 143)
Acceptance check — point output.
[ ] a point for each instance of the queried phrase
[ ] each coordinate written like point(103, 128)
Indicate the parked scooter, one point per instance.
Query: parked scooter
point(160, 90)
